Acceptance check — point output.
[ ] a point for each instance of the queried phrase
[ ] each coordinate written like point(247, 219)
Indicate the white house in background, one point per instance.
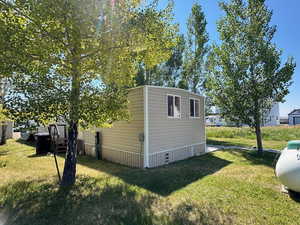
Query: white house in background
point(273, 117)
point(270, 119)
point(215, 120)
point(294, 117)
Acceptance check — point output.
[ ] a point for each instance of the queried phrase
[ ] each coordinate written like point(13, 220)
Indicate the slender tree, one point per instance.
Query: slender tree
point(82, 53)
point(186, 68)
point(246, 75)
point(196, 51)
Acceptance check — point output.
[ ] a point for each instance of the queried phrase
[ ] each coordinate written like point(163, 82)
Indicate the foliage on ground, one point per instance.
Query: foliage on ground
point(225, 187)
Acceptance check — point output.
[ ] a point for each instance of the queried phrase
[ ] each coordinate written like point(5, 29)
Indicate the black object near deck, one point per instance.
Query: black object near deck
point(43, 143)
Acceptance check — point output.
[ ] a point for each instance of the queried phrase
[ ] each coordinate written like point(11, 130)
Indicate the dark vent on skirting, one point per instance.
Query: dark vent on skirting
point(167, 157)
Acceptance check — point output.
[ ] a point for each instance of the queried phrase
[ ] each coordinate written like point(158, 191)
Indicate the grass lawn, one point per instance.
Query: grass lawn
point(225, 187)
point(273, 137)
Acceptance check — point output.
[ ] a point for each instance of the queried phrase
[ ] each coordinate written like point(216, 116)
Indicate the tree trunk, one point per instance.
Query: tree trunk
point(69, 173)
point(258, 134)
point(258, 139)
point(147, 80)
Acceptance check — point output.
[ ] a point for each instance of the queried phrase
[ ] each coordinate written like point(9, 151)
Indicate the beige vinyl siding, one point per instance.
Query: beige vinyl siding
point(120, 143)
point(180, 137)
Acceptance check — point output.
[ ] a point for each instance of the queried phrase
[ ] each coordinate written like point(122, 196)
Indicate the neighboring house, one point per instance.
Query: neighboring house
point(294, 117)
point(215, 120)
point(167, 125)
point(272, 118)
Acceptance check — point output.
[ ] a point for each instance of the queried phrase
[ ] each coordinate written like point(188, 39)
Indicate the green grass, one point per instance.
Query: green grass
point(273, 137)
point(225, 187)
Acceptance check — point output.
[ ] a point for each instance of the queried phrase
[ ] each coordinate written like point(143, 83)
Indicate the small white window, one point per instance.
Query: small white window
point(174, 102)
point(194, 108)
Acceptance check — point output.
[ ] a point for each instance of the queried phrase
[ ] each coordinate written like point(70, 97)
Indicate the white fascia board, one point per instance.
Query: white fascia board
point(177, 89)
point(146, 128)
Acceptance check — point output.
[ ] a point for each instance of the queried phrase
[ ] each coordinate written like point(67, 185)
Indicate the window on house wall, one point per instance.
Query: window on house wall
point(194, 108)
point(174, 106)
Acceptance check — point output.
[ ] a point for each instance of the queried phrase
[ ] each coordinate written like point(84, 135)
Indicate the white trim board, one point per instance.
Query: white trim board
point(146, 128)
point(174, 149)
point(173, 88)
point(168, 88)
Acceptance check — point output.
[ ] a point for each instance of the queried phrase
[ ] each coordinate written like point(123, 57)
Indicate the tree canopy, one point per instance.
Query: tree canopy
point(246, 73)
point(197, 48)
point(46, 39)
point(74, 59)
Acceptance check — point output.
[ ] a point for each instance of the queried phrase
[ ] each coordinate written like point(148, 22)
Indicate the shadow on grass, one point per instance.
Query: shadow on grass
point(30, 143)
point(294, 196)
point(98, 201)
point(163, 180)
point(225, 143)
point(37, 156)
point(266, 158)
point(2, 153)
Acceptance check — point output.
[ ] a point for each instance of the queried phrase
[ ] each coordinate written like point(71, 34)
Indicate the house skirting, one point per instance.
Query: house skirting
point(134, 159)
point(131, 159)
point(172, 155)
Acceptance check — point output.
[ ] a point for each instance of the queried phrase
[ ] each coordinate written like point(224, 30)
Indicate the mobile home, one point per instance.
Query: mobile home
point(294, 117)
point(167, 125)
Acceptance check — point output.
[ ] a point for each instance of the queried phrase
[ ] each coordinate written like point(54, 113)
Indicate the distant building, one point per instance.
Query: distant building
point(284, 120)
point(294, 117)
point(215, 120)
point(272, 118)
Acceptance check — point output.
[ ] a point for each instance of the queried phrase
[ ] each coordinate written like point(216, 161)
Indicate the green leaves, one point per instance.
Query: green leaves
point(245, 75)
point(73, 59)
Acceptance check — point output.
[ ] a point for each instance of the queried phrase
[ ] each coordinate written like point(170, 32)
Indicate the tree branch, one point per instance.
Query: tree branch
point(9, 5)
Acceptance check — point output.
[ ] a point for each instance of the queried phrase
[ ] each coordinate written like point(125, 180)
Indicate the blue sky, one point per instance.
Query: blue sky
point(286, 15)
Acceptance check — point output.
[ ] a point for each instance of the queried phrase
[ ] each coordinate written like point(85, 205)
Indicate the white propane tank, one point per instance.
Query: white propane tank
point(288, 166)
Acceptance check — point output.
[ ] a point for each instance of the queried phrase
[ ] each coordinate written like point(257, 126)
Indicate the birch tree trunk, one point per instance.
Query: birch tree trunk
point(71, 157)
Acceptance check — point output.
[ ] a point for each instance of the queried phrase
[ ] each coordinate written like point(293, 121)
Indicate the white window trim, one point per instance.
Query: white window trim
point(173, 117)
point(189, 105)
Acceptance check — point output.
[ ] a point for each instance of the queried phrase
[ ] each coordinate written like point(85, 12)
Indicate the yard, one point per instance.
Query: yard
point(225, 187)
point(273, 137)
